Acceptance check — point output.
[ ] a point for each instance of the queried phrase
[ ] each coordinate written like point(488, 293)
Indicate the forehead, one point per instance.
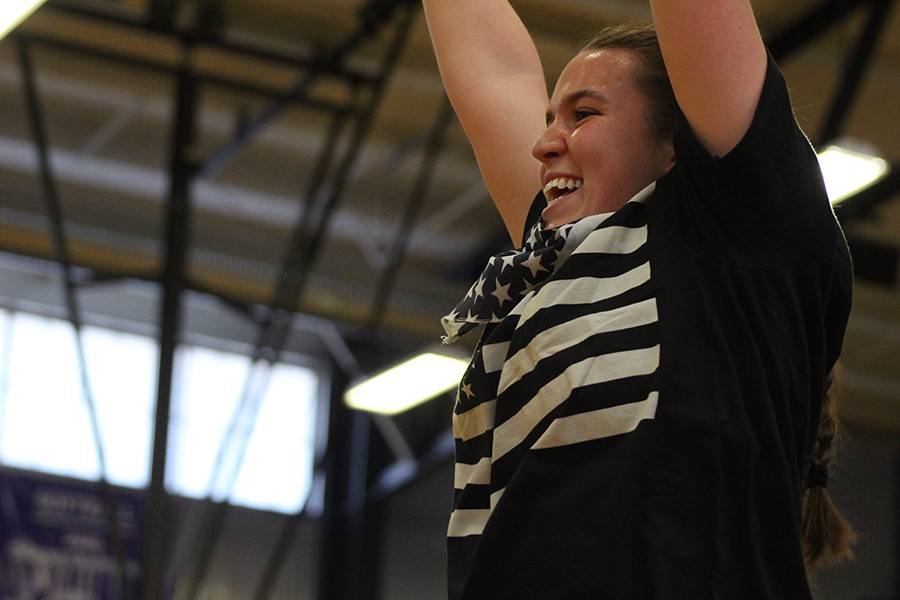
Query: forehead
point(608, 71)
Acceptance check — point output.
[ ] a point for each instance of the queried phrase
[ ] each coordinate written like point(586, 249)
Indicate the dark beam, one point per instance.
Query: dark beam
point(278, 555)
point(213, 515)
point(856, 66)
point(344, 367)
point(810, 26)
point(161, 13)
point(73, 309)
point(177, 239)
point(304, 247)
point(402, 473)
point(202, 527)
point(350, 531)
point(415, 200)
point(180, 36)
point(234, 443)
point(328, 61)
point(307, 237)
point(164, 68)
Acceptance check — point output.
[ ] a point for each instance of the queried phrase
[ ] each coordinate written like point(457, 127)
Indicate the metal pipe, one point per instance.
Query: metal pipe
point(299, 257)
point(856, 67)
point(305, 250)
point(165, 68)
point(73, 310)
point(810, 25)
point(200, 526)
point(347, 565)
point(177, 241)
point(181, 37)
point(416, 199)
point(330, 60)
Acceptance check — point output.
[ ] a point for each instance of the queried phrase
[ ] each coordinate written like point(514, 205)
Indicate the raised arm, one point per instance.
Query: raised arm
point(716, 61)
point(495, 82)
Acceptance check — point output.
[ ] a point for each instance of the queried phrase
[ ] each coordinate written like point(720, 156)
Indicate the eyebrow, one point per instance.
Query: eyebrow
point(577, 95)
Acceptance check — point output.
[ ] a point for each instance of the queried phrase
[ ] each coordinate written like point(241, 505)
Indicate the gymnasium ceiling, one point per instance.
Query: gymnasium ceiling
point(305, 161)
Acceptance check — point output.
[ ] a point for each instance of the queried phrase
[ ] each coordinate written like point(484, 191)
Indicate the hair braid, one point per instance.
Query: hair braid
point(827, 536)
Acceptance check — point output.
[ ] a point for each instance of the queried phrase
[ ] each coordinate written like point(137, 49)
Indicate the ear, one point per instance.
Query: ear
point(668, 150)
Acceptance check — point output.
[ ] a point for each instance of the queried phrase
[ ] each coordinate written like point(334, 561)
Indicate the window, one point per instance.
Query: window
point(45, 423)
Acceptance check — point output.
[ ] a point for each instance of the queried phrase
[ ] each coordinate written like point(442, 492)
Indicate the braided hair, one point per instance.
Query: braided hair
point(826, 535)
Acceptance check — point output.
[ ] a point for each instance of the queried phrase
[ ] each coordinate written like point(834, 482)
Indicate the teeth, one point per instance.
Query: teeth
point(559, 184)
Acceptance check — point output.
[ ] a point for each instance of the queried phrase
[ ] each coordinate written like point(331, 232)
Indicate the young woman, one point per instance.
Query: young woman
point(641, 417)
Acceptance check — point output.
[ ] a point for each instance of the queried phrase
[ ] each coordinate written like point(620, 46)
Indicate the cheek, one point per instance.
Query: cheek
point(590, 146)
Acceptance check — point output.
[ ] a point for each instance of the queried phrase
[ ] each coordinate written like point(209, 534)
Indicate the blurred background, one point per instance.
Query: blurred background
point(216, 215)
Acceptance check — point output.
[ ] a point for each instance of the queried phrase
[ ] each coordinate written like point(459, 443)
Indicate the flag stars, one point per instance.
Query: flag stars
point(501, 292)
point(479, 287)
point(466, 389)
point(505, 281)
point(534, 264)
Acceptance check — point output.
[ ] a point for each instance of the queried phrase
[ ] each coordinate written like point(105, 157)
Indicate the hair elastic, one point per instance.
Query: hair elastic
point(816, 476)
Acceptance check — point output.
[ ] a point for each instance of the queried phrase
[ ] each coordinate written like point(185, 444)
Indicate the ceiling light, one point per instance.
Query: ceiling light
point(848, 168)
point(407, 384)
point(13, 12)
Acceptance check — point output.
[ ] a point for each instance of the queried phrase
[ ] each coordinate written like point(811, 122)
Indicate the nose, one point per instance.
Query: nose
point(551, 144)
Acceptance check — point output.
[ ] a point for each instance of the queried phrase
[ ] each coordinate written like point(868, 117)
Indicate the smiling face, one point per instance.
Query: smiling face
point(599, 148)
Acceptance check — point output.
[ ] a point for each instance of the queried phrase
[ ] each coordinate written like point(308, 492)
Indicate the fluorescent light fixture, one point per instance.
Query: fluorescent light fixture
point(13, 12)
point(848, 168)
point(407, 384)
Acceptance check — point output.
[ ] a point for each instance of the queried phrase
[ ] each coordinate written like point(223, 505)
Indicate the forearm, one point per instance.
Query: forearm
point(478, 40)
point(495, 81)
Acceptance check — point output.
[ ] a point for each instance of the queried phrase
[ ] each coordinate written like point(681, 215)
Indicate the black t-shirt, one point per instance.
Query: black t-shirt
point(640, 426)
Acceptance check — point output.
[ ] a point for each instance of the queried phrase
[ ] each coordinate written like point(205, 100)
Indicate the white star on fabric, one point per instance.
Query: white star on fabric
point(534, 264)
point(508, 261)
point(501, 292)
point(467, 390)
point(479, 287)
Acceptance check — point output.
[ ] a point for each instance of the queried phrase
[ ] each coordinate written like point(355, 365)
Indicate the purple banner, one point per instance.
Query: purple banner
point(55, 542)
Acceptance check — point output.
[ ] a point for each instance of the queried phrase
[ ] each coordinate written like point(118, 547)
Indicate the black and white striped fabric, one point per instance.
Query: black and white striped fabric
point(572, 360)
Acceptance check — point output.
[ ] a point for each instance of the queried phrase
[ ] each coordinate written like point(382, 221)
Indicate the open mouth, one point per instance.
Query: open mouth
point(559, 187)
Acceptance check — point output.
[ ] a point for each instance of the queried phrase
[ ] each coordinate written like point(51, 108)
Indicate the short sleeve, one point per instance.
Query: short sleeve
point(764, 203)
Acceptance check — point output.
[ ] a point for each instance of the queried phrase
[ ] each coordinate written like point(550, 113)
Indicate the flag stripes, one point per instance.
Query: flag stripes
point(574, 361)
